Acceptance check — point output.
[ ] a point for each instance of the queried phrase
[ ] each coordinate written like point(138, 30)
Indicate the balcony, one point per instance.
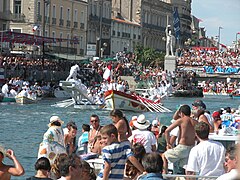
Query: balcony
point(54, 21)
point(61, 22)
point(81, 25)
point(39, 18)
point(187, 17)
point(18, 17)
point(75, 24)
point(68, 23)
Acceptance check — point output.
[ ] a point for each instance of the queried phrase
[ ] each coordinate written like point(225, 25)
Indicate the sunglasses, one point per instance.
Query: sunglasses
point(94, 121)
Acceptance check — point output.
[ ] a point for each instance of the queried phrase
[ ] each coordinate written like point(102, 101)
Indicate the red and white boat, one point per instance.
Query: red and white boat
point(131, 102)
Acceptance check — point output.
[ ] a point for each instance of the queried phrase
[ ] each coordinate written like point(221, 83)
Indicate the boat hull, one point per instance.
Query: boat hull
point(119, 100)
point(9, 99)
point(25, 100)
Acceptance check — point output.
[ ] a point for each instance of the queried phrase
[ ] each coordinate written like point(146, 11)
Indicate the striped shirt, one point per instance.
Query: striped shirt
point(116, 155)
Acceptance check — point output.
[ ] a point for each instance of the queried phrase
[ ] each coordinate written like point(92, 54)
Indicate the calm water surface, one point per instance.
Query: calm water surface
point(22, 126)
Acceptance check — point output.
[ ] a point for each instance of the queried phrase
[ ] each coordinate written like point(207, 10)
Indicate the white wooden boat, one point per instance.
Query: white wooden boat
point(130, 102)
point(61, 94)
point(25, 100)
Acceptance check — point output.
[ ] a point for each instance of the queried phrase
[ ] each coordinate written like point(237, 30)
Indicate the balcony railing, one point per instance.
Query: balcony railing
point(39, 18)
point(54, 21)
point(68, 23)
point(18, 17)
point(82, 25)
point(61, 22)
point(75, 24)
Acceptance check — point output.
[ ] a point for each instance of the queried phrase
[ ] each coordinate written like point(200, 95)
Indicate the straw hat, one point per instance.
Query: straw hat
point(54, 119)
point(141, 122)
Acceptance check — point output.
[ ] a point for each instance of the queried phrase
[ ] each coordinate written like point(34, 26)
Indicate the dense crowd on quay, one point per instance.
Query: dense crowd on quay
point(136, 149)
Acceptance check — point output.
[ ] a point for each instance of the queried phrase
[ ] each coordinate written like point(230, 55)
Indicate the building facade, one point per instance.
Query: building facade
point(99, 27)
point(125, 35)
point(65, 19)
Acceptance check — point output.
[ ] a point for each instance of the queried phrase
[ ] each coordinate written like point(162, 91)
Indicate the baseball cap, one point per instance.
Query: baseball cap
point(216, 114)
point(199, 103)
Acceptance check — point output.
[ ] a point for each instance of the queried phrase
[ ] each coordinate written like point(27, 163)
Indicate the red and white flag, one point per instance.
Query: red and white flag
point(107, 73)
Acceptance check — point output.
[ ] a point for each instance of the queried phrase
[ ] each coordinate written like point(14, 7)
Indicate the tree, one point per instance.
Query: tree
point(148, 56)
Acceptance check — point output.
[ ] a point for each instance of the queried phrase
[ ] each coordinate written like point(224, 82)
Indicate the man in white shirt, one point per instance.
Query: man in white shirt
point(231, 161)
point(206, 158)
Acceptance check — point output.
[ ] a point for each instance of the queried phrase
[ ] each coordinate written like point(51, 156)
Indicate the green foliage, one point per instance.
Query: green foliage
point(148, 56)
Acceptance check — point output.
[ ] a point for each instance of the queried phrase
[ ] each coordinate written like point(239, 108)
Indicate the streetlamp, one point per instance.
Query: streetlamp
point(219, 35)
point(237, 40)
point(45, 2)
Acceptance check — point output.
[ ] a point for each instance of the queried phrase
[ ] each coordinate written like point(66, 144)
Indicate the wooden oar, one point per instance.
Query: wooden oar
point(138, 98)
point(148, 104)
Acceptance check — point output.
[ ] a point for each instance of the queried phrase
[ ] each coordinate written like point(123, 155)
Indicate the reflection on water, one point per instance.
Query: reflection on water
point(22, 126)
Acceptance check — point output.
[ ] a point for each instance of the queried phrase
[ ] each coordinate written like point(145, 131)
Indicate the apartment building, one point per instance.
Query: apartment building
point(65, 19)
point(99, 27)
point(125, 35)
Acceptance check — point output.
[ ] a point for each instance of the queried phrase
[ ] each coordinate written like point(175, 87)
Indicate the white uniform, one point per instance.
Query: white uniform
point(73, 72)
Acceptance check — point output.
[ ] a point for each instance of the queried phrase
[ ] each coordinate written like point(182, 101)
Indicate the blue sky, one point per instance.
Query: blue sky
point(219, 13)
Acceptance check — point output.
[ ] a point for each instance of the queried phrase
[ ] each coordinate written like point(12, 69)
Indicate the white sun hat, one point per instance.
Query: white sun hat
point(54, 119)
point(141, 122)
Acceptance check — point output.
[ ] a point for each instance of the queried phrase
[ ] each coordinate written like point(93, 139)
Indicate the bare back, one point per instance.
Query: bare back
point(123, 131)
point(187, 131)
point(4, 172)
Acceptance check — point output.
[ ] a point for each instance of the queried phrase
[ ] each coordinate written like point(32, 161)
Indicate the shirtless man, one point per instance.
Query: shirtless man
point(6, 171)
point(94, 135)
point(186, 139)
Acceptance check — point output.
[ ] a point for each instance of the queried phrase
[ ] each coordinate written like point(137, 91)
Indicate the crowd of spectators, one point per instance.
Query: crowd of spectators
point(202, 57)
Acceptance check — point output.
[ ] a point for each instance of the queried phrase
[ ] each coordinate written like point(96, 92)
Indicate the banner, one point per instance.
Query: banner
point(222, 69)
point(176, 23)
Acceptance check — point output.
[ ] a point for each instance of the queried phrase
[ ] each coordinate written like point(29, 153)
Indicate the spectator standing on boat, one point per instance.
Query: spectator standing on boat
point(115, 154)
point(94, 135)
point(70, 139)
point(53, 140)
point(217, 121)
point(70, 168)
point(231, 163)
point(131, 172)
point(161, 141)
point(42, 167)
point(143, 135)
point(227, 117)
point(121, 123)
point(155, 128)
point(206, 158)
point(186, 140)
point(83, 139)
point(67, 128)
point(6, 171)
point(153, 166)
point(199, 111)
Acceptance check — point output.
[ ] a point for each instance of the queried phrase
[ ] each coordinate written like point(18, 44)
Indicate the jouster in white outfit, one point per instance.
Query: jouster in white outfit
point(207, 158)
point(73, 72)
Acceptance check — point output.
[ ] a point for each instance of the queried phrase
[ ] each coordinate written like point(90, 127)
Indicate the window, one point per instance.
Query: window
point(82, 17)
point(61, 12)
point(68, 14)
point(17, 6)
point(46, 9)
point(54, 11)
point(38, 8)
point(75, 15)
point(54, 36)
point(68, 39)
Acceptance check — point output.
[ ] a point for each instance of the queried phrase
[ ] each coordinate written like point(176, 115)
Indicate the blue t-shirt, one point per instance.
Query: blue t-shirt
point(84, 138)
point(151, 176)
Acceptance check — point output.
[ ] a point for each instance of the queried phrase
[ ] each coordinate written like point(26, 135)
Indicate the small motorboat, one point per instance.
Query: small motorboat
point(25, 100)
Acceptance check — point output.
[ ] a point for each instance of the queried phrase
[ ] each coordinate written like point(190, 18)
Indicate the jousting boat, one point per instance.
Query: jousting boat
point(131, 102)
